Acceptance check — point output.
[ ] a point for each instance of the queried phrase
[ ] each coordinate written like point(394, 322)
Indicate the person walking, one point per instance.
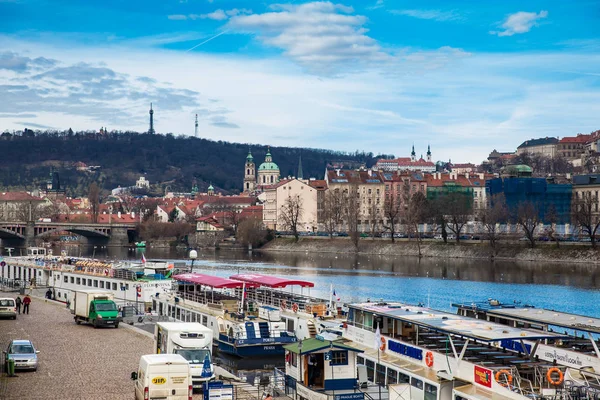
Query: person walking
point(26, 302)
point(18, 302)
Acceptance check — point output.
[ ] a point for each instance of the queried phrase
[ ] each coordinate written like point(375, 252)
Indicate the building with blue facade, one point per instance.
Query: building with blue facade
point(538, 191)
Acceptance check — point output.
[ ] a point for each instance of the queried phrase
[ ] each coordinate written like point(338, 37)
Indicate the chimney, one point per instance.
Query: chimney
point(119, 215)
point(133, 214)
point(467, 175)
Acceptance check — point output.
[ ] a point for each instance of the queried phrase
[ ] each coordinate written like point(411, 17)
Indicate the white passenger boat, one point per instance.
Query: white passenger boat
point(129, 282)
point(425, 354)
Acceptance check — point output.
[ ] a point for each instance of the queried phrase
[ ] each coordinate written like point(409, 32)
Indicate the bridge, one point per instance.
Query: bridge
point(26, 233)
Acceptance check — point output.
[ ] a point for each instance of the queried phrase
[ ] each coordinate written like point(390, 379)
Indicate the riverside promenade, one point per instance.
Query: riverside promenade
point(75, 361)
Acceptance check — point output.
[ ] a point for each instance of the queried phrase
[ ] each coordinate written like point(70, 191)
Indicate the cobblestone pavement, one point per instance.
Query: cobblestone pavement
point(75, 361)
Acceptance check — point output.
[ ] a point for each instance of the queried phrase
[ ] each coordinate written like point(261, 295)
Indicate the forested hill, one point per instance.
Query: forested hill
point(26, 160)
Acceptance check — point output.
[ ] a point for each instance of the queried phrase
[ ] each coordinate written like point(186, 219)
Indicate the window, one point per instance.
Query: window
point(370, 370)
point(114, 286)
point(416, 383)
point(66, 279)
point(339, 358)
point(79, 281)
point(101, 284)
point(127, 286)
point(204, 320)
point(430, 392)
point(95, 282)
point(392, 376)
point(403, 378)
point(89, 282)
point(381, 374)
point(72, 280)
point(294, 359)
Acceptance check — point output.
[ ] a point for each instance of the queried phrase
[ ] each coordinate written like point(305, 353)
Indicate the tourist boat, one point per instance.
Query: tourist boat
point(420, 353)
point(578, 350)
point(212, 301)
point(140, 244)
point(129, 282)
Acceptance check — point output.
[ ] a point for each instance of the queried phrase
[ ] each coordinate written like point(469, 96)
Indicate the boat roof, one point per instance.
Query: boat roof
point(313, 345)
point(271, 281)
point(453, 324)
point(210, 280)
point(550, 317)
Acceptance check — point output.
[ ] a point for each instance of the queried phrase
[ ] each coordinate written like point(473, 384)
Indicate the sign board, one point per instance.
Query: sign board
point(206, 370)
point(216, 390)
point(483, 376)
point(349, 396)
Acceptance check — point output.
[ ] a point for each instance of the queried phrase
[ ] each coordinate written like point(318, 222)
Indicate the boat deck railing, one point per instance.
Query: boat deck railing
point(286, 300)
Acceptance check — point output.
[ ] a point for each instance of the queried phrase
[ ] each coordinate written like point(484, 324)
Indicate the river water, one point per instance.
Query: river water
point(434, 282)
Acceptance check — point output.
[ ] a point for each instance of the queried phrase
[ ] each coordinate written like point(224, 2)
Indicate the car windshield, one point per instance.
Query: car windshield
point(194, 356)
point(7, 303)
point(22, 349)
point(106, 307)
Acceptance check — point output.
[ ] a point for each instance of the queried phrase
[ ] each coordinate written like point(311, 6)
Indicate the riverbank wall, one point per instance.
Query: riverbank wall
point(478, 250)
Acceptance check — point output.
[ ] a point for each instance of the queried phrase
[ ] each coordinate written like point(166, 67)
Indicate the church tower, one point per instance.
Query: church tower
point(268, 172)
point(428, 153)
point(249, 174)
point(413, 155)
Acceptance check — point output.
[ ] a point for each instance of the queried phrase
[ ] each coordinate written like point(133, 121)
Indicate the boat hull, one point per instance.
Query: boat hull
point(260, 348)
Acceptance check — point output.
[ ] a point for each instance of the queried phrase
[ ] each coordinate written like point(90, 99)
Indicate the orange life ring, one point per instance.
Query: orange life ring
point(551, 380)
point(382, 347)
point(509, 377)
point(429, 359)
point(295, 307)
point(283, 304)
point(308, 309)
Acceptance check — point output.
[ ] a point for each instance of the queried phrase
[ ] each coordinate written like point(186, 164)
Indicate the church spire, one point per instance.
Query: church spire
point(300, 173)
point(428, 153)
point(413, 155)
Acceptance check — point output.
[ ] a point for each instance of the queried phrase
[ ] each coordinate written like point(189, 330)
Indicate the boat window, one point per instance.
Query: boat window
point(204, 320)
point(114, 286)
point(102, 284)
point(381, 370)
point(368, 322)
point(72, 280)
point(360, 360)
point(370, 370)
point(89, 282)
point(66, 279)
point(430, 392)
point(350, 315)
point(95, 282)
point(294, 360)
point(339, 358)
point(416, 383)
point(392, 376)
point(403, 378)
point(79, 281)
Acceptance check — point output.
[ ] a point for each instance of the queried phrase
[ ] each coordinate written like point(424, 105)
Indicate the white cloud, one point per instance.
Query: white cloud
point(520, 22)
point(217, 15)
point(316, 35)
point(436, 15)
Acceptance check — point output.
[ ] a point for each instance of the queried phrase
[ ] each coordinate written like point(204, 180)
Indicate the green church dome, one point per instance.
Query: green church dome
point(268, 166)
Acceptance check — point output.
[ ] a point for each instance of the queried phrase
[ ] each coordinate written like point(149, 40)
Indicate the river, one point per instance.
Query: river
point(437, 282)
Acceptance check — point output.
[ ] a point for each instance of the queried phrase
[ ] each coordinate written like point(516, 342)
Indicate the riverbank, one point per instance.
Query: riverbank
point(544, 252)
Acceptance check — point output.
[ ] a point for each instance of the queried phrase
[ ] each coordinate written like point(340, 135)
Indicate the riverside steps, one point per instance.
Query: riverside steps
point(78, 361)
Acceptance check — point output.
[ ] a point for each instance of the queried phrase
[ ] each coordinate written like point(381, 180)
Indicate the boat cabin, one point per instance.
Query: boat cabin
point(36, 251)
point(318, 369)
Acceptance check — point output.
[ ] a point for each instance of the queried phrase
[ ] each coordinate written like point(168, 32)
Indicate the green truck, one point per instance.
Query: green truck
point(96, 307)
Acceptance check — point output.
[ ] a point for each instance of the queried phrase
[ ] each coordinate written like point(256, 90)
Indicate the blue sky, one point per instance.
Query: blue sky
point(379, 75)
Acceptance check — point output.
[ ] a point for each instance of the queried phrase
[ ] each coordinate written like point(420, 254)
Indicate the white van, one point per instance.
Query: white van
point(163, 376)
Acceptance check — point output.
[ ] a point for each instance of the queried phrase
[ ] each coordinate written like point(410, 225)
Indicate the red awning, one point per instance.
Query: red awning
point(270, 281)
point(210, 280)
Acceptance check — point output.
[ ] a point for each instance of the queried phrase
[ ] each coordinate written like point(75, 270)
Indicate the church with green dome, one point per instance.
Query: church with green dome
point(268, 173)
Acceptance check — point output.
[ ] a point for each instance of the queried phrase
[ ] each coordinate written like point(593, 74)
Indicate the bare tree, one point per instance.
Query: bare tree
point(491, 216)
point(392, 212)
point(416, 212)
point(94, 199)
point(333, 210)
point(251, 231)
point(374, 214)
point(459, 211)
point(353, 213)
point(28, 211)
point(551, 218)
point(585, 214)
point(528, 219)
point(290, 214)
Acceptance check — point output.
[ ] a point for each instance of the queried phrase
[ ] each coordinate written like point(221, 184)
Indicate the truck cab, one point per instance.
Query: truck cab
point(191, 340)
point(96, 307)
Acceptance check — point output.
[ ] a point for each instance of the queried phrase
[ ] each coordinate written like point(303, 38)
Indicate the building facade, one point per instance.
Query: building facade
point(268, 173)
point(278, 196)
point(544, 146)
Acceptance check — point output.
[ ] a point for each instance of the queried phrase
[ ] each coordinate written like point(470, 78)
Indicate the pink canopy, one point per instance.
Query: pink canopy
point(270, 281)
point(210, 280)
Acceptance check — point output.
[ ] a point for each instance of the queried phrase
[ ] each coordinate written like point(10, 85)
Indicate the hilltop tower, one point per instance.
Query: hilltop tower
point(428, 153)
point(300, 172)
point(196, 127)
point(249, 174)
point(151, 130)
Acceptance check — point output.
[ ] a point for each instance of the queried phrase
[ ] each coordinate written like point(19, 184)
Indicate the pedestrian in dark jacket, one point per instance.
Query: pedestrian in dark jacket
point(18, 302)
point(26, 302)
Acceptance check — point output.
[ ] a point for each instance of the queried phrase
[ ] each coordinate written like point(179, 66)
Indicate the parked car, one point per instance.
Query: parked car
point(8, 308)
point(24, 354)
point(438, 237)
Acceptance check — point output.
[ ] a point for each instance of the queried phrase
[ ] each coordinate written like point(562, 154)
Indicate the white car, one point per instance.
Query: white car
point(8, 307)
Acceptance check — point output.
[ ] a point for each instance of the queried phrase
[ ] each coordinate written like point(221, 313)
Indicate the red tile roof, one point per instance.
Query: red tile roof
point(576, 139)
point(18, 196)
point(318, 184)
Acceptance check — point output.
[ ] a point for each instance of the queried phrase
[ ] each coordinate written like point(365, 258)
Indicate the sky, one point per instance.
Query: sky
point(379, 76)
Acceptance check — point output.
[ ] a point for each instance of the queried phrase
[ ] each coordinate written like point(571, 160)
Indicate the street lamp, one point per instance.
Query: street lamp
point(193, 256)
